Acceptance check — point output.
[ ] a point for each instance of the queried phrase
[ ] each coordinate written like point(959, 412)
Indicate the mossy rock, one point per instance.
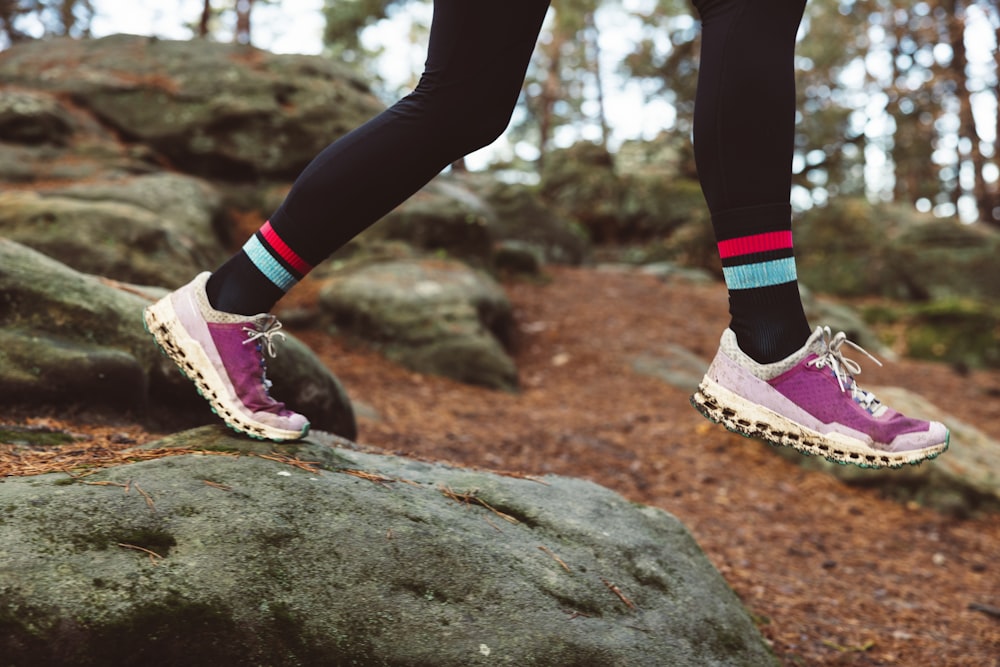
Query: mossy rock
point(956, 331)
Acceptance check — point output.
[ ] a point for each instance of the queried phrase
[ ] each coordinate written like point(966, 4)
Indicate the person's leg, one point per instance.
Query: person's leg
point(477, 56)
point(772, 378)
point(217, 328)
point(744, 130)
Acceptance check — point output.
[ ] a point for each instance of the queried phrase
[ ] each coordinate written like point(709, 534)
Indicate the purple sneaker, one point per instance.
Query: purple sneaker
point(811, 402)
point(223, 354)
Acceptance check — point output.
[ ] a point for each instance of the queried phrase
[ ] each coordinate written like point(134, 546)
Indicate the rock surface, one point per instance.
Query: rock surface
point(71, 338)
point(213, 109)
point(151, 230)
point(852, 248)
point(366, 559)
point(434, 316)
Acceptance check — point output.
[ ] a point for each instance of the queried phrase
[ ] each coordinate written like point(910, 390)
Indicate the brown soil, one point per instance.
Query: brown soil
point(835, 575)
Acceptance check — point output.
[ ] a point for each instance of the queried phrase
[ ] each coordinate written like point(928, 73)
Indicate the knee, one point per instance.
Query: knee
point(462, 123)
point(479, 125)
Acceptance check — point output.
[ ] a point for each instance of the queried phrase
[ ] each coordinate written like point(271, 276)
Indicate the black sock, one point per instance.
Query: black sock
point(769, 322)
point(239, 287)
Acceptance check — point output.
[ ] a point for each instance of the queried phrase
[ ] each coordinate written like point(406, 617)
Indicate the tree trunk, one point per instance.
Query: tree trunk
point(967, 135)
point(550, 94)
point(243, 8)
point(206, 16)
point(595, 62)
point(994, 214)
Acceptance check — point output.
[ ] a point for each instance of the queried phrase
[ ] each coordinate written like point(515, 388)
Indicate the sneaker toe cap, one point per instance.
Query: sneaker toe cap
point(286, 421)
point(934, 435)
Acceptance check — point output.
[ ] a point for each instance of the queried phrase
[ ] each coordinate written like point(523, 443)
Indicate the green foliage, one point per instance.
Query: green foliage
point(958, 331)
point(345, 21)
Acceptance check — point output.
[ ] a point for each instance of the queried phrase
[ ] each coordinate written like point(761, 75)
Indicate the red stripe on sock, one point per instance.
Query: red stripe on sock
point(286, 253)
point(746, 245)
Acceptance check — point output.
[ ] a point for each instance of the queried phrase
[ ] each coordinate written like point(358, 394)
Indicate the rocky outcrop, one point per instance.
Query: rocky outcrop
point(71, 338)
point(471, 216)
point(434, 316)
point(351, 558)
point(268, 116)
point(852, 248)
point(152, 230)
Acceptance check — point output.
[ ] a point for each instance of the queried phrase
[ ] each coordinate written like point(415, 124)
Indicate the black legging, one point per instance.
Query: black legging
point(476, 61)
point(745, 106)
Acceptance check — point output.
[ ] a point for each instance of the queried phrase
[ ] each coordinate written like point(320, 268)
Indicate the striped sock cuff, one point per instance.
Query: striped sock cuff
point(758, 260)
point(762, 274)
point(275, 259)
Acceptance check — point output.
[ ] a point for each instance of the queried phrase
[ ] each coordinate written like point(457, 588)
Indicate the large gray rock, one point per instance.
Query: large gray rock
point(364, 560)
point(940, 259)
point(854, 248)
point(221, 110)
point(28, 117)
point(517, 213)
point(71, 338)
point(152, 230)
point(434, 316)
point(469, 215)
point(442, 216)
point(44, 138)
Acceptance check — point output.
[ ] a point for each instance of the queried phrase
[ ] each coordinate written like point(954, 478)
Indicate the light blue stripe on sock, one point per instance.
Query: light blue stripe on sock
point(762, 274)
point(268, 265)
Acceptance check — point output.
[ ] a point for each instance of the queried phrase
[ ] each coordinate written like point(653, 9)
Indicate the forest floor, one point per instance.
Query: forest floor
point(833, 574)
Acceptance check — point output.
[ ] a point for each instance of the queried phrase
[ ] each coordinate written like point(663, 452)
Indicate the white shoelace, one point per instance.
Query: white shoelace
point(267, 327)
point(845, 369)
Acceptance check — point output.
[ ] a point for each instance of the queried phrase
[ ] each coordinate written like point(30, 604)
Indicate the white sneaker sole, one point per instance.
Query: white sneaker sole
point(175, 342)
point(739, 415)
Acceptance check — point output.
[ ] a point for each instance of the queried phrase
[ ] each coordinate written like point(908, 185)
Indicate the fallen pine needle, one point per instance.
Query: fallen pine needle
point(216, 485)
point(308, 466)
point(126, 288)
point(119, 484)
point(152, 554)
point(370, 476)
point(555, 557)
point(471, 497)
point(492, 525)
point(617, 591)
point(850, 649)
point(146, 496)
